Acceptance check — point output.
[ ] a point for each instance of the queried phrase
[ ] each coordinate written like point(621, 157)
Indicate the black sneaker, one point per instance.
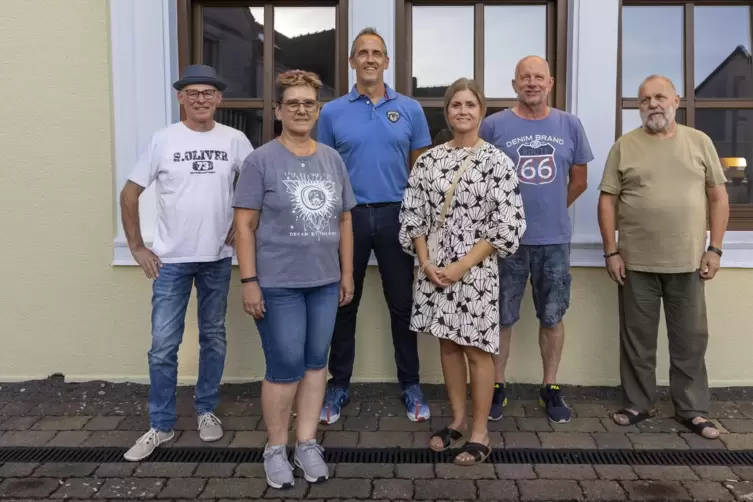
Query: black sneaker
point(556, 409)
point(499, 401)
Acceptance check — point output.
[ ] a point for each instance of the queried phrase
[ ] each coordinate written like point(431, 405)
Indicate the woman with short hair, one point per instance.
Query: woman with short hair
point(295, 254)
point(461, 211)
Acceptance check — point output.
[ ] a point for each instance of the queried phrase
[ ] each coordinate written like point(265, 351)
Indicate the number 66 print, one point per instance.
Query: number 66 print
point(536, 165)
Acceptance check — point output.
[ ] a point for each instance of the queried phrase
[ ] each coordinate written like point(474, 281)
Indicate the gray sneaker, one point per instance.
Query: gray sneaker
point(309, 456)
point(276, 466)
point(147, 443)
point(210, 427)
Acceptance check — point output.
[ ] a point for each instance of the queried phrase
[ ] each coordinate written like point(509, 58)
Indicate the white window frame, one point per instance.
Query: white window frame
point(145, 63)
point(144, 66)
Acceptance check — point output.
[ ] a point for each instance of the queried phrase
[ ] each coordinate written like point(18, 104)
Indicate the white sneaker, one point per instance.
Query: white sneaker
point(210, 427)
point(147, 443)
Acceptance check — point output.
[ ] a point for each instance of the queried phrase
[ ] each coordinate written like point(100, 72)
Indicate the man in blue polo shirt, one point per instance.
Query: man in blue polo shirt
point(380, 134)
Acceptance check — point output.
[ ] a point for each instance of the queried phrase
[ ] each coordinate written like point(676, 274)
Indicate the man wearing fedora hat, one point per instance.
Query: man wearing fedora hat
point(194, 164)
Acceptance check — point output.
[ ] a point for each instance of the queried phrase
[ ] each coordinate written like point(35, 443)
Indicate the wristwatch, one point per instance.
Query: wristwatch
point(715, 250)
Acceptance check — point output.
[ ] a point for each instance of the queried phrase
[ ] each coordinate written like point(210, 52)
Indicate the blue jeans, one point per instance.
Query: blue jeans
point(549, 269)
point(296, 330)
point(377, 227)
point(171, 292)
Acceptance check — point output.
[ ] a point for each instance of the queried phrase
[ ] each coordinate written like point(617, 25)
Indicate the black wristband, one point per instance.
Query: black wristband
point(249, 279)
point(715, 250)
point(609, 255)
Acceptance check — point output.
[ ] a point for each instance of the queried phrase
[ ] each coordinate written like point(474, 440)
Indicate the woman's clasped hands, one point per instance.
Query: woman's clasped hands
point(445, 276)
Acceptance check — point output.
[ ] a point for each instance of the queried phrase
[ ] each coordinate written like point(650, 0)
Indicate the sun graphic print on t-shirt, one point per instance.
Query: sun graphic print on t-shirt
point(314, 199)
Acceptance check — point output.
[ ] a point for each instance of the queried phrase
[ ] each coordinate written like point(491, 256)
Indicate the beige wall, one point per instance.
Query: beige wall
point(65, 309)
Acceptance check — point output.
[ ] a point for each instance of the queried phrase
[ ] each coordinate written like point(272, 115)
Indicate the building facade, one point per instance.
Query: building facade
point(88, 82)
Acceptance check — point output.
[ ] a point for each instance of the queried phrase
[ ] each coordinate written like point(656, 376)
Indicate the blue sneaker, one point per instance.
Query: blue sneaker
point(334, 400)
point(499, 401)
point(413, 400)
point(556, 409)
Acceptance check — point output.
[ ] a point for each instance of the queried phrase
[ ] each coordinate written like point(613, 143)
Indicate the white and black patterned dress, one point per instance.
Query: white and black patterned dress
point(486, 205)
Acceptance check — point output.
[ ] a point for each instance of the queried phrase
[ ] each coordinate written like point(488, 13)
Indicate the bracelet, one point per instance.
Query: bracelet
point(426, 264)
point(249, 279)
point(609, 255)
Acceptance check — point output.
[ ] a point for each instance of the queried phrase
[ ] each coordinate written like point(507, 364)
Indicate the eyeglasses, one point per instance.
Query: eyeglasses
point(292, 105)
point(193, 94)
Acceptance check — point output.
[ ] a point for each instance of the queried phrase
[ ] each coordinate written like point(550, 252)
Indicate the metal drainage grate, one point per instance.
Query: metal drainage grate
point(387, 456)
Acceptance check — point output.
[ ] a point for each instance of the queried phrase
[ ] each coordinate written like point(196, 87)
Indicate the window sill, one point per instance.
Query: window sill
point(738, 252)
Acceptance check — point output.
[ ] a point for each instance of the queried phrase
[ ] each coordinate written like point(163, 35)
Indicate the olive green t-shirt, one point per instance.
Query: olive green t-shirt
point(662, 207)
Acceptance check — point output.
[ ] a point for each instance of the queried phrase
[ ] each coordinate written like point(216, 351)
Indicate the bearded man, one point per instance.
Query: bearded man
point(661, 184)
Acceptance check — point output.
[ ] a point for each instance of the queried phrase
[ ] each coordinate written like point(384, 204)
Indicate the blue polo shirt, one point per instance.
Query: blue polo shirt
point(375, 140)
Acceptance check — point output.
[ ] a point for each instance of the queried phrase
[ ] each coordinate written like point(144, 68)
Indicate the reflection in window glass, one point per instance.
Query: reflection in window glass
point(234, 46)
point(437, 125)
point(305, 40)
point(511, 32)
point(490, 111)
point(442, 48)
point(631, 119)
point(652, 42)
point(722, 52)
point(248, 121)
point(438, 129)
point(732, 134)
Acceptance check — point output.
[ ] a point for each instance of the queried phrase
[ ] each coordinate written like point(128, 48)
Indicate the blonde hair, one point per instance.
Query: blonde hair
point(295, 78)
point(463, 84)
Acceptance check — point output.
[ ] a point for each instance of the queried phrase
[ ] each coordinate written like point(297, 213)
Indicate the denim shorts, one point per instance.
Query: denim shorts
point(296, 330)
point(549, 269)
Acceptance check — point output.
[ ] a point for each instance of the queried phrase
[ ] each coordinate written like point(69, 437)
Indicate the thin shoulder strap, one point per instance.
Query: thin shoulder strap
point(458, 174)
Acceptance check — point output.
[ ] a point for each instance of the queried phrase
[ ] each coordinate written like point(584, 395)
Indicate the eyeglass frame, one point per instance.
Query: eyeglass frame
point(316, 104)
point(214, 92)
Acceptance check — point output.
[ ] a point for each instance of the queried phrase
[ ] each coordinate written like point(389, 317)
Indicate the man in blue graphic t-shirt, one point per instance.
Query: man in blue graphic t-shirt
point(550, 150)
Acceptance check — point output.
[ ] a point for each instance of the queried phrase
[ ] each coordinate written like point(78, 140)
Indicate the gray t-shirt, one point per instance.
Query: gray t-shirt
point(543, 151)
point(300, 201)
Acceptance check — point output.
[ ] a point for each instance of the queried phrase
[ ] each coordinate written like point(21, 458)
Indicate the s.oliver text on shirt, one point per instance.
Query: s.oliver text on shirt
point(200, 155)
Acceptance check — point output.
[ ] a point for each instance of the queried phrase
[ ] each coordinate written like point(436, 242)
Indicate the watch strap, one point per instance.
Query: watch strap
point(715, 250)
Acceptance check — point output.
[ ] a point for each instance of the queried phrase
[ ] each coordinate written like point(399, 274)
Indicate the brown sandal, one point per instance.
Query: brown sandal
point(478, 451)
point(451, 439)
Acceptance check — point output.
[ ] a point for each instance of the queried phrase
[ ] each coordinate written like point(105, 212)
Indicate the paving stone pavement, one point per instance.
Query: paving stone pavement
point(368, 422)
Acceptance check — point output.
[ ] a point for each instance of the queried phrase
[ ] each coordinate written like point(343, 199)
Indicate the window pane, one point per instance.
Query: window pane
point(722, 52)
point(305, 40)
point(248, 121)
point(631, 119)
point(732, 134)
point(438, 129)
point(511, 32)
point(652, 42)
point(437, 125)
point(233, 43)
point(442, 48)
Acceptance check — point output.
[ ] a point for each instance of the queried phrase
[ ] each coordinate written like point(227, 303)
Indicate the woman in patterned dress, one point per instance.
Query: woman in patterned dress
point(456, 295)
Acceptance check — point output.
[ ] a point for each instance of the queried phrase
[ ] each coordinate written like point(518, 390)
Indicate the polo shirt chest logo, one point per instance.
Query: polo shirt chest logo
point(393, 116)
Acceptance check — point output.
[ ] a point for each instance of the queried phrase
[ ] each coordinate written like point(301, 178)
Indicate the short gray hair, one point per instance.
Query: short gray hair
point(367, 31)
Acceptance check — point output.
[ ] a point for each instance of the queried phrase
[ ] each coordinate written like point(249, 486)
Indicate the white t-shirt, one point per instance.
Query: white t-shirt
point(195, 172)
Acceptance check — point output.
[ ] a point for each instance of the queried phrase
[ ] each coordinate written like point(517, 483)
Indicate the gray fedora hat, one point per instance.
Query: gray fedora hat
point(200, 74)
